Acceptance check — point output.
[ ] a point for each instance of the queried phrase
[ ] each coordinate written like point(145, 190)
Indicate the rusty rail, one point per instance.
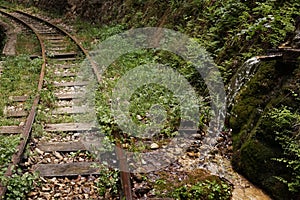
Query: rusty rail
point(16, 158)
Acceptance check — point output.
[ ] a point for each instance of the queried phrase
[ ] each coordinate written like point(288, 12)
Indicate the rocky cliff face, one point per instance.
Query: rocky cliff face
point(152, 13)
point(255, 130)
point(255, 144)
point(95, 11)
point(2, 37)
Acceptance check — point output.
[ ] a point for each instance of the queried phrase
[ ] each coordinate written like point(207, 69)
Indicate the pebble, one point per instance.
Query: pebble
point(46, 189)
point(57, 155)
point(220, 139)
point(32, 194)
point(197, 136)
point(154, 146)
point(39, 151)
point(57, 195)
point(193, 154)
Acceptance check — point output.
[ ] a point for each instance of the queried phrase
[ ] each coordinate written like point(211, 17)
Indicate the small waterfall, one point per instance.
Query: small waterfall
point(241, 78)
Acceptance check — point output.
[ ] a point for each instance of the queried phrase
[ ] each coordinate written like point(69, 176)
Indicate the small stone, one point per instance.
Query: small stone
point(46, 189)
point(32, 194)
point(57, 195)
point(197, 136)
point(53, 180)
point(193, 154)
point(220, 139)
point(138, 177)
point(57, 155)
point(86, 190)
point(144, 162)
point(177, 151)
point(44, 180)
point(154, 146)
point(39, 151)
point(47, 195)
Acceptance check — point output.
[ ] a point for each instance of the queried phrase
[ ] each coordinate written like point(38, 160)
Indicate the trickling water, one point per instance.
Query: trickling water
point(220, 165)
point(241, 78)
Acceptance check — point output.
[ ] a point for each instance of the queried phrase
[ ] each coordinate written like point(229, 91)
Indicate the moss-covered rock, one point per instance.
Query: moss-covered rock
point(254, 135)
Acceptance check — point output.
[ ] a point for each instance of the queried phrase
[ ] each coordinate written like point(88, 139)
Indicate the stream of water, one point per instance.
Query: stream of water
point(220, 165)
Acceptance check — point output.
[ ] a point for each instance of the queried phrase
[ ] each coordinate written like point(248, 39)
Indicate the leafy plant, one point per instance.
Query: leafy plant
point(288, 136)
point(108, 181)
point(18, 185)
point(204, 190)
point(7, 148)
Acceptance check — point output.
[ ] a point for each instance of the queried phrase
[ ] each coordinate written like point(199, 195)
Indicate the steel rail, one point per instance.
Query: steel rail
point(16, 158)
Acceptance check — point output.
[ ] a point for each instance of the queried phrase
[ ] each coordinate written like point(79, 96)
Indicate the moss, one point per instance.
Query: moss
point(254, 138)
point(169, 185)
point(255, 161)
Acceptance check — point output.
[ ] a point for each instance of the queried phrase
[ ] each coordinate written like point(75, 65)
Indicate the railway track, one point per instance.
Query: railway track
point(58, 150)
point(62, 160)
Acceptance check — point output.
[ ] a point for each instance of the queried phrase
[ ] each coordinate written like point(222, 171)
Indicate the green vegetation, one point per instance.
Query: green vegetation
point(27, 44)
point(265, 130)
point(145, 97)
point(204, 190)
point(7, 149)
point(265, 119)
point(196, 185)
point(18, 185)
point(232, 31)
point(20, 77)
point(286, 124)
point(91, 35)
point(108, 184)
